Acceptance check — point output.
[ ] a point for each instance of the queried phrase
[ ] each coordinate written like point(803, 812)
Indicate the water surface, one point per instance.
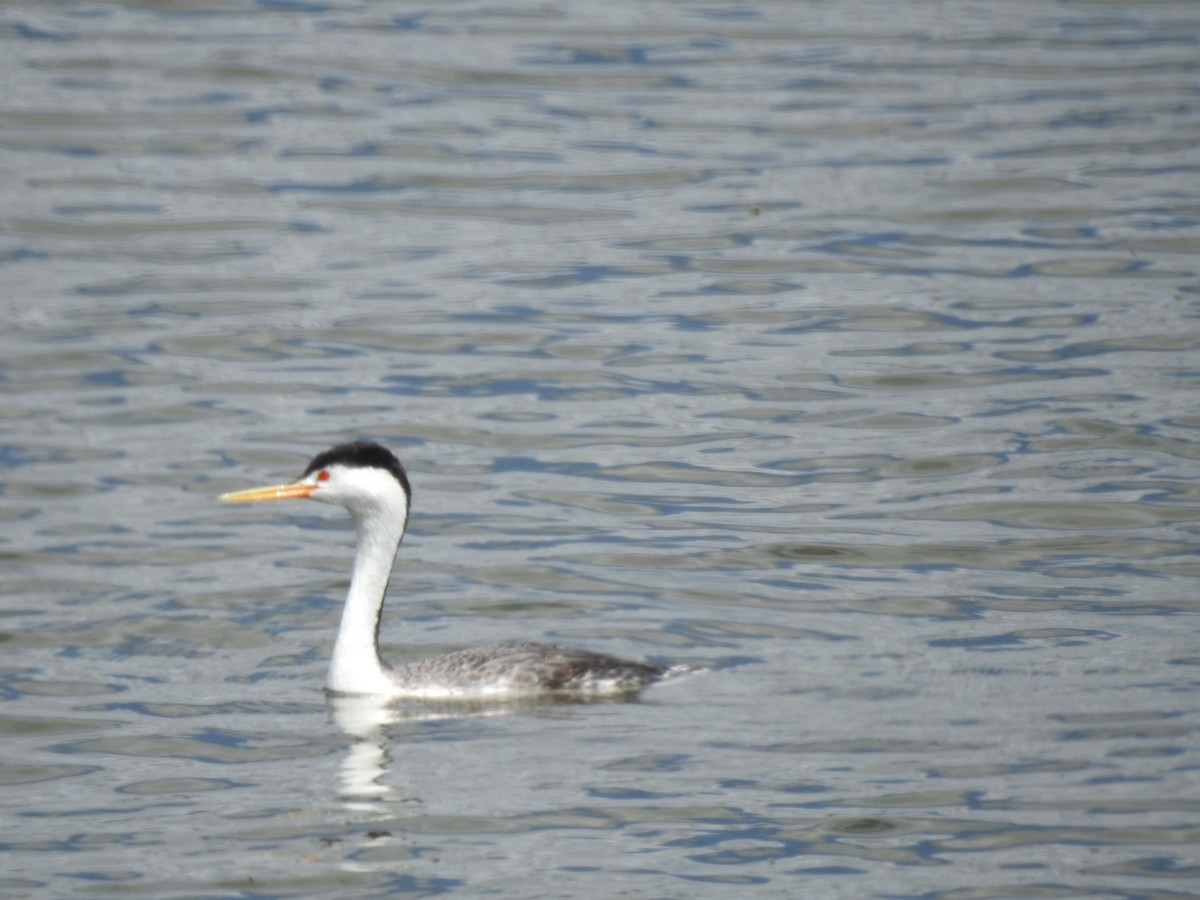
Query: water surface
point(848, 350)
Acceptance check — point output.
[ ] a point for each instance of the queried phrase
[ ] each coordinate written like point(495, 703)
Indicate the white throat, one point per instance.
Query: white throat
point(355, 667)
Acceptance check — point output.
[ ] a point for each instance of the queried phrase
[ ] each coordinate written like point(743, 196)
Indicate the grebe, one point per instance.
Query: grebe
point(372, 485)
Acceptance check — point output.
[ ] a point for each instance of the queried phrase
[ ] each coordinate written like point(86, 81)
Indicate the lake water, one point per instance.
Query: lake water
point(846, 349)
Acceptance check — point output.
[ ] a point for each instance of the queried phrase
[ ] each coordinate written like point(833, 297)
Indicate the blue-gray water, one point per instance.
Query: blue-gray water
point(849, 349)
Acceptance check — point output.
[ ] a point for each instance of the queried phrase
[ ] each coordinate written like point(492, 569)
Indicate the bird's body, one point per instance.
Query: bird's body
point(521, 668)
point(372, 485)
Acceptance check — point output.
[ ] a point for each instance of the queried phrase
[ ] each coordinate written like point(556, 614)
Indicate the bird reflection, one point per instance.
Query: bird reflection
point(367, 718)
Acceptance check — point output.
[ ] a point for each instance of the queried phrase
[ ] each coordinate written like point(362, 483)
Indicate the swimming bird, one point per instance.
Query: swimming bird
point(370, 483)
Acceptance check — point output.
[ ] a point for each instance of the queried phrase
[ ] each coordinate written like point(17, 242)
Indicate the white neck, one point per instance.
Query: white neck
point(356, 667)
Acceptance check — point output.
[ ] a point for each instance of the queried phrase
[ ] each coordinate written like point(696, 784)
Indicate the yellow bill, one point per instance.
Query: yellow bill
point(274, 492)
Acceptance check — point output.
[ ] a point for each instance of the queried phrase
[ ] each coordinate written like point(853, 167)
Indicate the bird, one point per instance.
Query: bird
point(372, 485)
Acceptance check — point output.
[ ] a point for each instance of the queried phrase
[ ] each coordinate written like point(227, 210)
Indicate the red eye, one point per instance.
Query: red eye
point(323, 476)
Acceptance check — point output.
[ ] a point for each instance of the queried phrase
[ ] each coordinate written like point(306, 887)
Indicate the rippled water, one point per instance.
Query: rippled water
point(848, 349)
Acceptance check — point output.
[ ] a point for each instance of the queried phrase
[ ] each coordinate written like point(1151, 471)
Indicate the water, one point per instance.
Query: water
point(846, 349)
